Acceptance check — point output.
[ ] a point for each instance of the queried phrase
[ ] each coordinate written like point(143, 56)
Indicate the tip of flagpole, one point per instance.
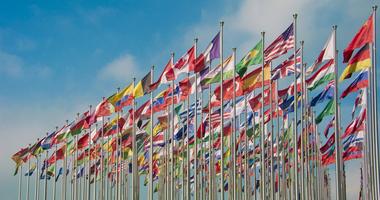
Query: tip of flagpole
point(152, 67)
point(262, 33)
point(221, 22)
point(234, 49)
point(334, 27)
point(302, 42)
point(295, 15)
point(172, 54)
point(374, 7)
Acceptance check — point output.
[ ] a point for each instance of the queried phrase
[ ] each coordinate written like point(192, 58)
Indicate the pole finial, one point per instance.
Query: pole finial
point(374, 7)
point(152, 67)
point(221, 23)
point(262, 33)
point(334, 27)
point(234, 49)
point(302, 42)
point(295, 15)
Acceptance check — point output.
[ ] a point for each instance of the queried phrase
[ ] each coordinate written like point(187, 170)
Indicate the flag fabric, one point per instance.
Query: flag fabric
point(47, 142)
point(326, 94)
point(83, 141)
point(62, 134)
point(228, 88)
point(103, 109)
point(166, 76)
point(253, 57)
point(360, 100)
point(357, 124)
point(252, 80)
point(213, 76)
point(280, 45)
point(122, 98)
point(328, 144)
point(361, 81)
point(362, 37)
point(322, 75)
point(36, 149)
point(212, 51)
point(360, 61)
point(286, 68)
point(327, 53)
point(329, 125)
point(185, 63)
point(142, 87)
point(328, 110)
point(31, 170)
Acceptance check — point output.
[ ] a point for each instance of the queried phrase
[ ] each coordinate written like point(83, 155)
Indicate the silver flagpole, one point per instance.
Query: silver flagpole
point(202, 184)
point(151, 139)
point(183, 160)
point(254, 152)
point(247, 189)
point(233, 135)
point(117, 179)
point(95, 171)
point(338, 178)
point(374, 100)
point(64, 178)
point(75, 164)
point(37, 179)
point(20, 183)
point(28, 178)
point(295, 149)
point(221, 116)
point(55, 168)
point(211, 148)
point(195, 128)
point(302, 137)
point(172, 184)
point(46, 168)
point(278, 143)
point(134, 150)
point(262, 137)
point(188, 159)
point(89, 162)
point(272, 171)
point(101, 197)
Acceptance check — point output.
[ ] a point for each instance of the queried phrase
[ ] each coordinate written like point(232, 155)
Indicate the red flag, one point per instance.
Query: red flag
point(228, 88)
point(166, 76)
point(185, 63)
point(83, 141)
point(362, 37)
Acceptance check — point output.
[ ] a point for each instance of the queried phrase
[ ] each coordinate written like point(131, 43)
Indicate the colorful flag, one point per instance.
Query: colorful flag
point(357, 124)
point(361, 81)
point(213, 76)
point(323, 75)
point(212, 51)
point(361, 61)
point(329, 125)
point(327, 53)
point(286, 68)
point(228, 88)
point(360, 100)
point(362, 37)
point(327, 93)
point(122, 98)
point(328, 110)
point(48, 141)
point(166, 76)
point(103, 109)
point(83, 141)
point(280, 45)
point(253, 79)
point(253, 57)
point(142, 87)
point(185, 63)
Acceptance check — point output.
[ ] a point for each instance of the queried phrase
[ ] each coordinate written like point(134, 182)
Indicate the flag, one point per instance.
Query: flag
point(252, 80)
point(328, 144)
point(122, 98)
point(228, 88)
point(103, 109)
point(286, 68)
point(327, 53)
point(361, 61)
point(329, 125)
point(360, 100)
point(31, 170)
point(185, 63)
point(328, 110)
point(77, 126)
point(83, 141)
point(47, 142)
point(327, 93)
point(253, 57)
point(323, 75)
point(62, 134)
point(361, 81)
point(357, 124)
point(280, 45)
point(213, 76)
point(362, 37)
point(19, 157)
point(142, 87)
point(212, 51)
point(166, 76)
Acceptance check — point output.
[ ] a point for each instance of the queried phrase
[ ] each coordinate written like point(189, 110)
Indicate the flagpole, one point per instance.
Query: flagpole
point(339, 194)
point(117, 179)
point(211, 148)
point(172, 169)
point(374, 100)
point(135, 190)
point(262, 150)
point(28, 178)
point(302, 137)
point(247, 189)
point(151, 139)
point(183, 158)
point(254, 151)
point(89, 161)
point(64, 178)
point(272, 171)
point(233, 135)
point(278, 143)
point(55, 168)
point(20, 183)
point(188, 159)
point(221, 116)
point(36, 191)
point(75, 164)
point(295, 149)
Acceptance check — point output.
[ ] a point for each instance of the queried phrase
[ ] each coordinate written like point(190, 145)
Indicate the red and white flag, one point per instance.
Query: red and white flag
point(281, 45)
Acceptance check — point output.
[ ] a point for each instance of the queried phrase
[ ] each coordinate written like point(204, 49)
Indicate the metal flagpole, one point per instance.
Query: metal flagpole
point(246, 152)
point(278, 143)
point(183, 160)
point(336, 125)
point(262, 136)
point(295, 149)
point(254, 152)
point(95, 170)
point(233, 135)
point(37, 179)
point(55, 168)
point(89, 161)
point(272, 171)
point(46, 168)
point(202, 184)
point(117, 179)
point(20, 183)
point(151, 139)
point(302, 137)
point(221, 116)
point(172, 169)
point(75, 166)
point(210, 143)
point(28, 178)
point(64, 178)
point(195, 128)
point(374, 100)
point(135, 191)
point(188, 192)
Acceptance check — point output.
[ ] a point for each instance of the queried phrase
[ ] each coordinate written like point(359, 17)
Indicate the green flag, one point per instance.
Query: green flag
point(253, 57)
point(328, 110)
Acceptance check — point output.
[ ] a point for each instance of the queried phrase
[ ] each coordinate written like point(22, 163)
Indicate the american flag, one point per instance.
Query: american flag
point(281, 45)
point(286, 68)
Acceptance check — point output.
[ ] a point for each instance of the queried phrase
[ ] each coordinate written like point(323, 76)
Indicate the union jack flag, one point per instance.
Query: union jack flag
point(286, 68)
point(281, 45)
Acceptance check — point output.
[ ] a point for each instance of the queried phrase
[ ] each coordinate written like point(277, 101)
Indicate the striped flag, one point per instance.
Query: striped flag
point(281, 45)
point(286, 68)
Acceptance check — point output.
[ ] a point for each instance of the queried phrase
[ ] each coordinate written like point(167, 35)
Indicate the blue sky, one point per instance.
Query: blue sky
point(58, 57)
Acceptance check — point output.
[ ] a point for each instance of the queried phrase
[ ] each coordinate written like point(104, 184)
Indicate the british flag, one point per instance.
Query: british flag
point(286, 68)
point(281, 45)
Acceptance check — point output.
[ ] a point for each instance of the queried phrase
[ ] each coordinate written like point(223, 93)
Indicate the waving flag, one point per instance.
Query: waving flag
point(213, 76)
point(361, 61)
point(327, 93)
point(212, 51)
point(323, 75)
point(166, 76)
point(362, 37)
point(286, 68)
point(253, 57)
point(357, 124)
point(328, 110)
point(142, 87)
point(185, 63)
point(253, 79)
point(360, 100)
point(327, 53)
point(122, 98)
point(329, 125)
point(361, 81)
point(47, 142)
point(280, 45)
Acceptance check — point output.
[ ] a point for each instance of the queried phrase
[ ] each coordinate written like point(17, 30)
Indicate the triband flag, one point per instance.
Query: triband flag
point(361, 61)
point(142, 87)
point(252, 80)
point(361, 81)
point(212, 51)
point(328, 110)
point(253, 57)
point(323, 75)
point(122, 98)
point(213, 76)
point(327, 93)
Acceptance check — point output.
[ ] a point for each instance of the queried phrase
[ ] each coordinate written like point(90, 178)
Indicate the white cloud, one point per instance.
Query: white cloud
point(10, 64)
point(122, 68)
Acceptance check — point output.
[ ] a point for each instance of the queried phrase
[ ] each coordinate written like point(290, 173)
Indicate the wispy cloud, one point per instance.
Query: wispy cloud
point(11, 65)
point(121, 68)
